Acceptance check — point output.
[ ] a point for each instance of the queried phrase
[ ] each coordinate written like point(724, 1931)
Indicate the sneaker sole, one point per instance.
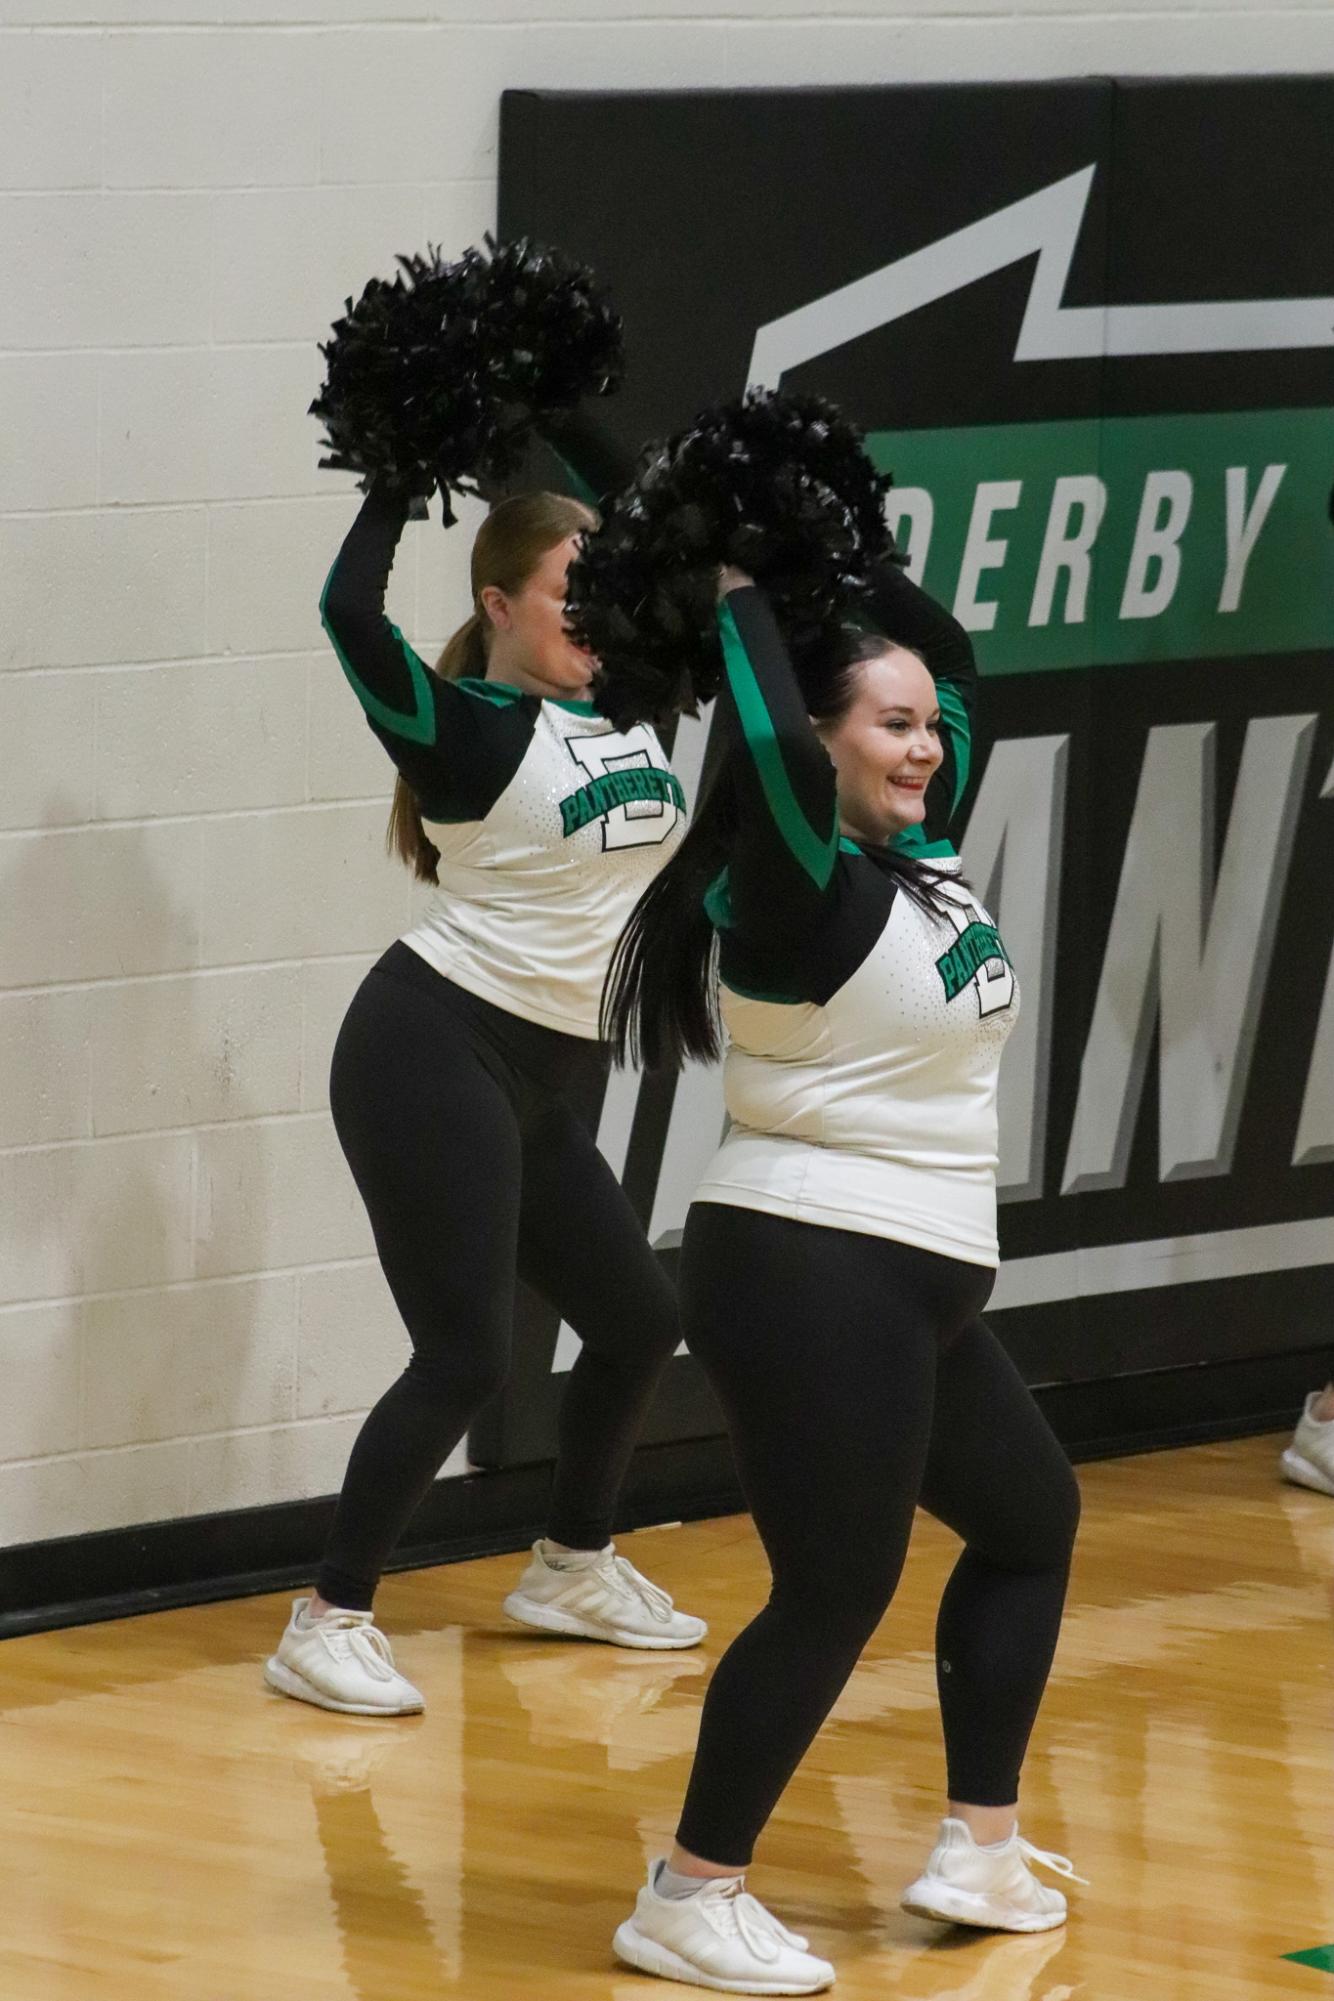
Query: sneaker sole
point(1303, 1474)
point(285, 1681)
point(635, 1948)
point(965, 1907)
point(532, 1612)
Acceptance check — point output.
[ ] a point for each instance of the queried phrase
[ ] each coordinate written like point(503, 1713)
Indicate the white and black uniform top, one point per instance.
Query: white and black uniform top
point(549, 822)
point(864, 1035)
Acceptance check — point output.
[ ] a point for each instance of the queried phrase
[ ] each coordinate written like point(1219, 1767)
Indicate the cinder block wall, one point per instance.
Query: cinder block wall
point(191, 870)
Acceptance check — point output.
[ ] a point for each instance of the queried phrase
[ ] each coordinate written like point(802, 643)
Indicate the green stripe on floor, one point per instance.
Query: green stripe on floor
point(1320, 1956)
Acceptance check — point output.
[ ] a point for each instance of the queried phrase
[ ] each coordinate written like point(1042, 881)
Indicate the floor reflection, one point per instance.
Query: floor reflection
point(182, 1835)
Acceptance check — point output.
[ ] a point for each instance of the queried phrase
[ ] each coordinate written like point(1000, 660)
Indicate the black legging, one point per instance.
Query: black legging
point(458, 1124)
point(857, 1380)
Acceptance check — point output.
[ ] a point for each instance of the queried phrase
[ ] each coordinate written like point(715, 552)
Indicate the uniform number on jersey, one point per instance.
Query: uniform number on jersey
point(637, 801)
point(976, 959)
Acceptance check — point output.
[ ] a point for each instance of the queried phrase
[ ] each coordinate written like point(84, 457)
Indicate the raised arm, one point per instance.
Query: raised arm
point(456, 749)
point(782, 866)
point(905, 613)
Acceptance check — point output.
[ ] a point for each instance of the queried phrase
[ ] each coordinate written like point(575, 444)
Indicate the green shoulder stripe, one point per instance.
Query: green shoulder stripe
point(955, 718)
point(582, 490)
point(501, 694)
point(913, 841)
point(504, 694)
point(814, 853)
point(718, 903)
point(419, 726)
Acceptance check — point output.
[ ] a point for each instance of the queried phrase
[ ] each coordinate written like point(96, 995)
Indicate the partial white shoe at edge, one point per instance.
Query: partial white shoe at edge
point(719, 1937)
point(1309, 1460)
point(606, 1599)
point(991, 1887)
point(340, 1661)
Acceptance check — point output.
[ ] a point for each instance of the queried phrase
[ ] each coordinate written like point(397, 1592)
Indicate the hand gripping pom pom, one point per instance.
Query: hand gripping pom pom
point(779, 485)
point(439, 376)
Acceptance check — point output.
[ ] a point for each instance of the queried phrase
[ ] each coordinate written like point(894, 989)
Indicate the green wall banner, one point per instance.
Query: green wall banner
point(1105, 542)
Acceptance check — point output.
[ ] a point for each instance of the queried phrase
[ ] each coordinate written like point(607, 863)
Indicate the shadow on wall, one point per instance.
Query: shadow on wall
point(140, 1309)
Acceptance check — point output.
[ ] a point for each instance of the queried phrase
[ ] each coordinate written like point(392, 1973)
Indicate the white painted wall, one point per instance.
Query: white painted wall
point(191, 872)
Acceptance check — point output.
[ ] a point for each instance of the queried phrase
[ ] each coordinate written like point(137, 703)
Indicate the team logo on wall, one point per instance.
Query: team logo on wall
point(1089, 327)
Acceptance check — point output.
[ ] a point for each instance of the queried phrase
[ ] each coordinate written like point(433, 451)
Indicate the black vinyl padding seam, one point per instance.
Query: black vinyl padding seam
point(118, 1573)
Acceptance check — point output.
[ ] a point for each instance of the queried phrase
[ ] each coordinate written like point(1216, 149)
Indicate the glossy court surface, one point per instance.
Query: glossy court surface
point(175, 1833)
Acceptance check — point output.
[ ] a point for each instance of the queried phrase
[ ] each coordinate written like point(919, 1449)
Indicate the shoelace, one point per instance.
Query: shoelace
point(1060, 1865)
point(622, 1575)
point(346, 1637)
point(741, 1915)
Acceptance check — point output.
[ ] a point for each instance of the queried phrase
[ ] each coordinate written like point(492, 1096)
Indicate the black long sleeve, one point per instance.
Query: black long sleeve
point(782, 863)
point(458, 744)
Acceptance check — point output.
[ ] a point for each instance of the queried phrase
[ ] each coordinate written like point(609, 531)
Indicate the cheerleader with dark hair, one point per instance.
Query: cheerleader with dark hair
point(839, 1253)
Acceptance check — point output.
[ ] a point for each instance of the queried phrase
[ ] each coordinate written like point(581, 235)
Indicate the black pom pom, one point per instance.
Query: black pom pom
point(546, 338)
point(779, 485)
point(439, 377)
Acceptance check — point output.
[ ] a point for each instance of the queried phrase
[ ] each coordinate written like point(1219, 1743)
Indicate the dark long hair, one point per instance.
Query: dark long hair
point(510, 544)
point(660, 1002)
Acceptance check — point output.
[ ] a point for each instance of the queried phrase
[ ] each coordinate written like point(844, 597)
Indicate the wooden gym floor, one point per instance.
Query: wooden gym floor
point(175, 1833)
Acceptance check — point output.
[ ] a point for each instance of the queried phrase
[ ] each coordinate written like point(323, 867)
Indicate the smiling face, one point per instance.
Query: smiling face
point(530, 647)
point(885, 746)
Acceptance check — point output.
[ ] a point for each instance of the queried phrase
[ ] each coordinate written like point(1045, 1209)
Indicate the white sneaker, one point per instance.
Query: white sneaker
point(720, 1937)
point(993, 1887)
point(1309, 1460)
point(602, 1599)
point(340, 1661)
